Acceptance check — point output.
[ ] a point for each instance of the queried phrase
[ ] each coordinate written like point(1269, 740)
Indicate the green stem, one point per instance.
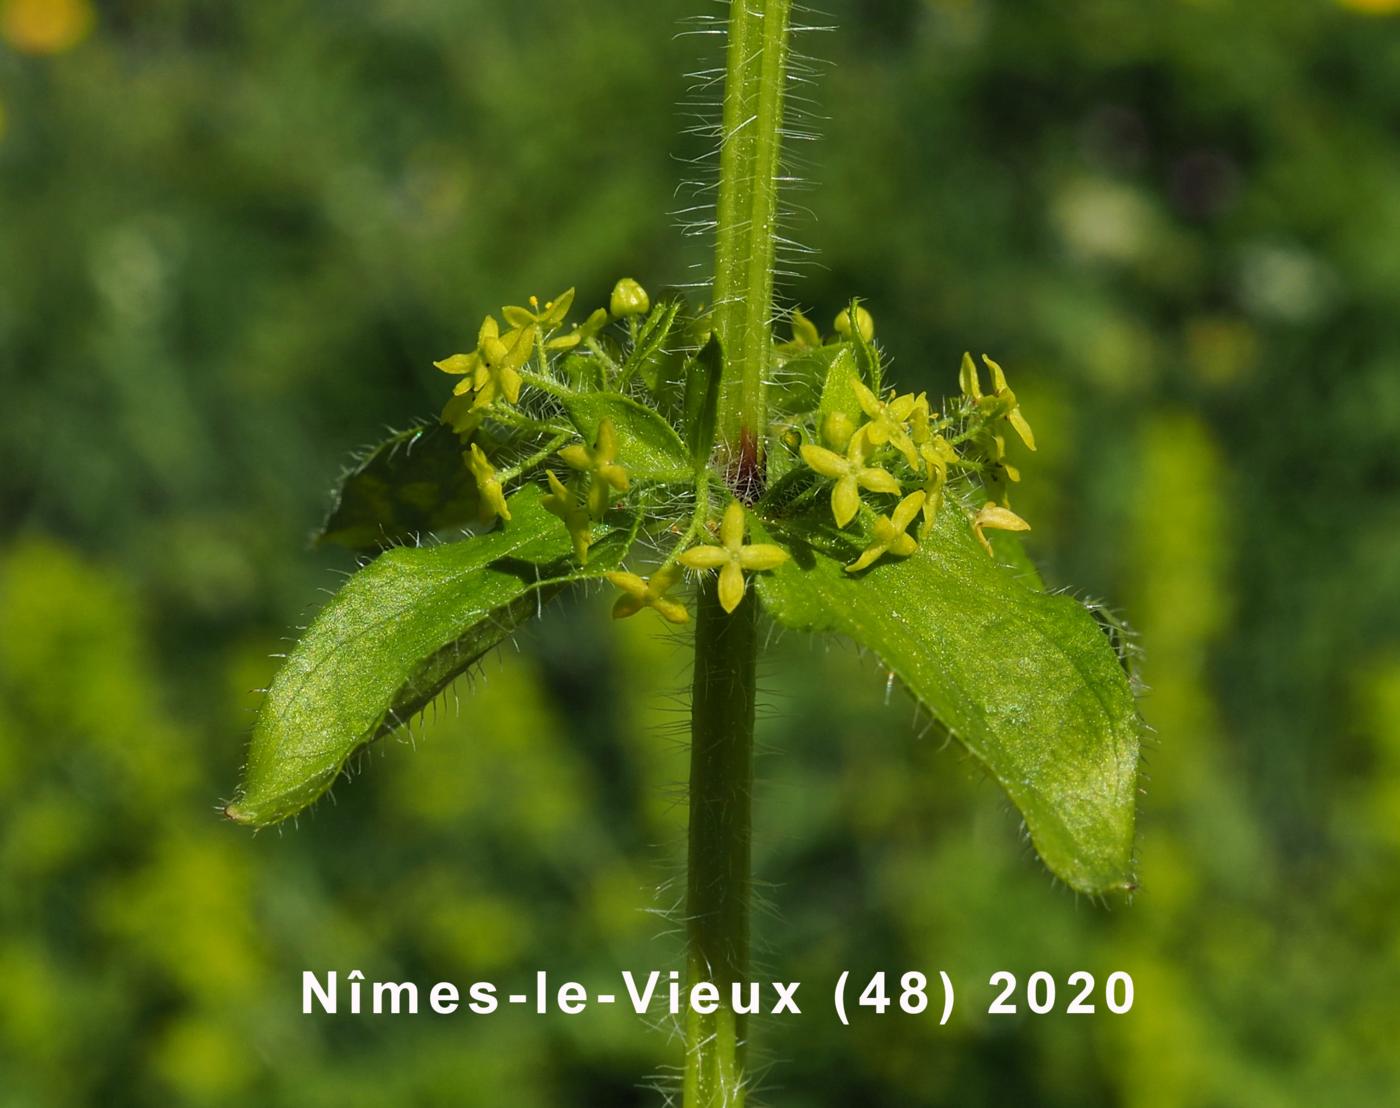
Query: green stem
point(545, 384)
point(527, 464)
point(726, 644)
point(746, 230)
point(717, 885)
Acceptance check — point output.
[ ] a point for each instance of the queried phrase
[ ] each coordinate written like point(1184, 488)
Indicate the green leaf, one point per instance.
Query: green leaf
point(411, 484)
point(702, 380)
point(1026, 681)
point(647, 445)
point(649, 351)
point(798, 382)
point(398, 632)
point(1011, 554)
point(867, 357)
point(838, 391)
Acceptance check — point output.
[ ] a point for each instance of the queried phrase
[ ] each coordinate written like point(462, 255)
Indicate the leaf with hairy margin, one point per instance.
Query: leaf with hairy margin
point(1026, 681)
point(411, 484)
point(394, 636)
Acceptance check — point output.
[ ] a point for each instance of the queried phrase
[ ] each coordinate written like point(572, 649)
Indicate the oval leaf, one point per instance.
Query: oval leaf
point(398, 632)
point(1027, 682)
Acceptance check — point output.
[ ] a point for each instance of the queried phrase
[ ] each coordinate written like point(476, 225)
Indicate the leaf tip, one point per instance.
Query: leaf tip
point(233, 812)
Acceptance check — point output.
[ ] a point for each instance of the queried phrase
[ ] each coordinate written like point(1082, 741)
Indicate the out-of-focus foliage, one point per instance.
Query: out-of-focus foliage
point(233, 237)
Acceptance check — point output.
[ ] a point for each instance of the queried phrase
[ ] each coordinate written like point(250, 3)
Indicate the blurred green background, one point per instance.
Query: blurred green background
point(234, 236)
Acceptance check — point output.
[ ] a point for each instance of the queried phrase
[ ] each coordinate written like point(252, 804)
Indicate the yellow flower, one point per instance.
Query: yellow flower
point(502, 358)
point(996, 517)
point(546, 318)
point(562, 502)
point(851, 474)
point(937, 453)
point(920, 418)
point(888, 421)
point(599, 461)
point(493, 368)
point(493, 501)
point(538, 320)
point(993, 448)
point(1000, 403)
point(45, 26)
point(638, 593)
point(732, 556)
point(890, 537)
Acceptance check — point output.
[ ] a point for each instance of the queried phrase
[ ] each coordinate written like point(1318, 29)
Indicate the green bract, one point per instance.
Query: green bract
point(868, 520)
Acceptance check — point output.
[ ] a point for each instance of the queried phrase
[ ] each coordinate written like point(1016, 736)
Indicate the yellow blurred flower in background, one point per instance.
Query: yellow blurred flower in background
point(1372, 7)
point(45, 26)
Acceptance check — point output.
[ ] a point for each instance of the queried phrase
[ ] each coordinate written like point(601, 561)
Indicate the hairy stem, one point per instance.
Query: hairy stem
point(717, 886)
point(746, 232)
point(726, 644)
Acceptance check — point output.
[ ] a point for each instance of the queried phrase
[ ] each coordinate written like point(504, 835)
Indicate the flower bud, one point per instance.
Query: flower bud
point(837, 430)
point(865, 324)
point(629, 298)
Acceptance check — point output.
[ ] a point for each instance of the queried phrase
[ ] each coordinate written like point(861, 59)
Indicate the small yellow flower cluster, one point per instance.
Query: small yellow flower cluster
point(1000, 405)
point(587, 497)
point(493, 375)
point(493, 370)
point(907, 426)
point(902, 423)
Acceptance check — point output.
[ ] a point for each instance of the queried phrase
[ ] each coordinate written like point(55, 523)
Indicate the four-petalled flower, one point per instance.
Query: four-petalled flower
point(535, 319)
point(993, 515)
point(937, 453)
point(732, 556)
point(639, 593)
point(562, 502)
point(888, 421)
point(493, 501)
point(599, 461)
point(1000, 402)
point(493, 368)
point(890, 537)
point(851, 475)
